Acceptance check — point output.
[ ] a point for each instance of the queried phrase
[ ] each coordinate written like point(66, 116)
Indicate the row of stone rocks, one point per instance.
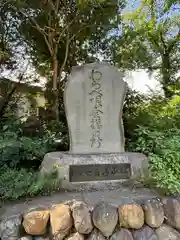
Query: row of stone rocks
point(74, 220)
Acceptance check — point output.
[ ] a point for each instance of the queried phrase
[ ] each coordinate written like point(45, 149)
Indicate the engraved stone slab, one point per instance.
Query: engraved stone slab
point(99, 172)
point(136, 166)
point(94, 97)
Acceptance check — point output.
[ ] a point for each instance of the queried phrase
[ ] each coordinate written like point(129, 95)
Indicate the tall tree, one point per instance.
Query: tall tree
point(150, 40)
point(60, 34)
point(9, 44)
point(7, 27)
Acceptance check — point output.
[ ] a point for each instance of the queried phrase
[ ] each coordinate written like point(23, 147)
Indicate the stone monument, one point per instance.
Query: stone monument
point(94, 97)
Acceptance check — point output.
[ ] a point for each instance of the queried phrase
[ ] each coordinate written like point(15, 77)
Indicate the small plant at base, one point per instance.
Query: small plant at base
point(15, 184)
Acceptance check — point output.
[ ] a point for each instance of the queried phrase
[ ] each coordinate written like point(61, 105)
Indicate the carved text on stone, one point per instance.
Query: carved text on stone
point(99, 172)
point(96, 115)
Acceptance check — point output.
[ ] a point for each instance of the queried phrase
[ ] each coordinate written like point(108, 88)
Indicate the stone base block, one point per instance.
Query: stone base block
point(95, 171)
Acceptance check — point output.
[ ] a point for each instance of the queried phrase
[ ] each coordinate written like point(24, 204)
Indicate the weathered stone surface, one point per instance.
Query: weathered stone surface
point(76, 236)
point(35, 222)
point(10, 228)
point(62, 162)
point(131, 216)
point(145, 233)
point(96, 235)
point(154, 214)
point(93, 99)
point(172, 211)
point(95, 92)
point(123, 234)
point(60, 220)
point(166, 232)
point(105, 218)
point(82, 217)
point(26, 238)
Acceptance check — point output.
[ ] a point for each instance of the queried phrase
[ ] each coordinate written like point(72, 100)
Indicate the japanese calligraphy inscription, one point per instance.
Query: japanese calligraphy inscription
point(94, 97)
point(96, 115)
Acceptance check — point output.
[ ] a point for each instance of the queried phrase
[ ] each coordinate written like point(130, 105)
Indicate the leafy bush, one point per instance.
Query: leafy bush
point(20, 151)
point(59, 132)
point(23, 152)
point(15, 184)
point(159, 138)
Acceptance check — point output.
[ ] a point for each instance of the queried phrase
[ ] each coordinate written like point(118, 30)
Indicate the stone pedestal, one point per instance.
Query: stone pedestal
point(94, 171)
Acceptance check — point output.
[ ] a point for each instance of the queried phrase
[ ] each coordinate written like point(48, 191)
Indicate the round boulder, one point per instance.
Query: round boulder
point(26, 238)
point(105, 218)
point(10, 228)
point(41, 238)
point(154, 214)
point(131, 216)
point(96, 235)
point(123, 234)
point(82, 218)
point(172, 211)
point(60, 221)
point(145, 233)
point(35, 222)
point(166, 232)
point(76, 236)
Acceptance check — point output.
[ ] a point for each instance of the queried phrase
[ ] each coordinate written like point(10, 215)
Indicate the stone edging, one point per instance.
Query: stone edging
point(75, 220)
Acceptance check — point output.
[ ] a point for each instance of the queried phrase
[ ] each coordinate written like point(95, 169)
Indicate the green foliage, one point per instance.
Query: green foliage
point(158, 136)
point(87, 27)
point(59, 133)
point(163, 149)
point(132, 115)
point(165, 164)
point(170, 3)
point(150, 40)
point(20, 151)
point(15, 184)
point(84, 3)
point(20, 158)
point(8, 36)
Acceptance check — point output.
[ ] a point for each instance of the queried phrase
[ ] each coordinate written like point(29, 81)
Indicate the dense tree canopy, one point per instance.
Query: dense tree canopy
point(58, 35)
point(169, 3)
point(150, 40)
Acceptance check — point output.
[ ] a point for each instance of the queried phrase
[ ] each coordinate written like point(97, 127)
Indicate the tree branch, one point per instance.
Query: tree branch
point(57, 6)
point(163, 42)
point(86, 26)
point(50, 31)
point(156, 43)
point(66, 55)
point(40, 30)
point(176, 39)
point(51, 5)
point(66, 27)
point(43, 34)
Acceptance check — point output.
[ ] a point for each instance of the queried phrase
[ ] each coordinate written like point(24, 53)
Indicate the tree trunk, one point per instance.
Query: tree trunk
point(166, 75)
point(55, 86)
point(6, 101)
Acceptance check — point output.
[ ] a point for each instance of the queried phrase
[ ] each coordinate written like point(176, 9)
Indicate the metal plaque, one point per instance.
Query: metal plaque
point(99, 172)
